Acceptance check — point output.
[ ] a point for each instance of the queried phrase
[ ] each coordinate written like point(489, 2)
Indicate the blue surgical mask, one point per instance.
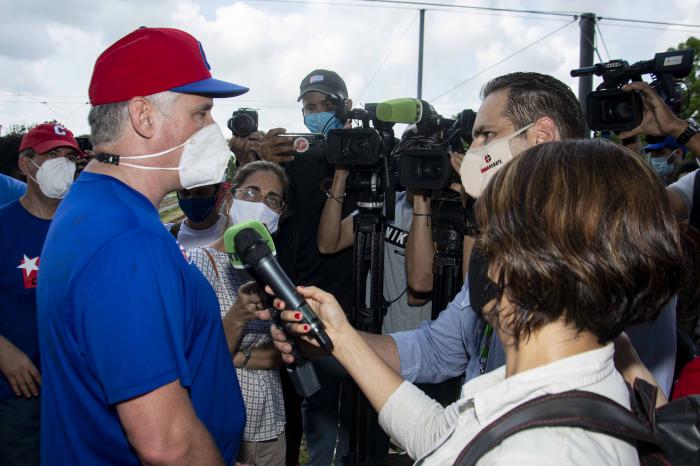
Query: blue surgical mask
point(661, 165)
point(198, 209)
point(322, 122)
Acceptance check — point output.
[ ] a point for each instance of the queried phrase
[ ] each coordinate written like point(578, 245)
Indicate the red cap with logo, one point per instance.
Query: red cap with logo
point(152, 60)
point(48, 136)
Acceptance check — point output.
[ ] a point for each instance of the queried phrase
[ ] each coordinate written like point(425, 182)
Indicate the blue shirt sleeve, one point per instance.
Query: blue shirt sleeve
point(10, 189)
point(439, 349)
point(131, 315)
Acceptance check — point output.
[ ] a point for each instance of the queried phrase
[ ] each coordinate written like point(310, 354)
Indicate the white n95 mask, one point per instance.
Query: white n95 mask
point(480, 164)
point(242, 211)
point(203, 161)
point(55, 176)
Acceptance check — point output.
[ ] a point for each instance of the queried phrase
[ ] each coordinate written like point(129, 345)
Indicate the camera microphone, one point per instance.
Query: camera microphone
point(405, 110)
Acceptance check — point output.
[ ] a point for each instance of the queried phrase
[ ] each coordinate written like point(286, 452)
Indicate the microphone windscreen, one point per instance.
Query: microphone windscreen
point(233, 232)
point(404, 110)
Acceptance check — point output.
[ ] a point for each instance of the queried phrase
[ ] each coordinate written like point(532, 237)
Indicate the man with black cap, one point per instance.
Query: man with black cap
point(47, 157)
point(134, 360)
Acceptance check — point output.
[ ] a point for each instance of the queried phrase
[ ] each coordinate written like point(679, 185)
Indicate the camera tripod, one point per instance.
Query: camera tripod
point(366, 446)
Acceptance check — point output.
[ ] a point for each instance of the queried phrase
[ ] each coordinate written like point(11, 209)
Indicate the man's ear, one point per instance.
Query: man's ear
point(544, 130)
point(348, 104)
point(24, 164)
point(141, 116)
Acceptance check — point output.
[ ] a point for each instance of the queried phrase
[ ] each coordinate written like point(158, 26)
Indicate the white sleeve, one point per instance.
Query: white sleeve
point(415, 420)
point(684, 187)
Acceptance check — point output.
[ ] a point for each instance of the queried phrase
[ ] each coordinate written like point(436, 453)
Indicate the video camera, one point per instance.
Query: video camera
point(424, 160)
point(609, 108)
point(243, 122)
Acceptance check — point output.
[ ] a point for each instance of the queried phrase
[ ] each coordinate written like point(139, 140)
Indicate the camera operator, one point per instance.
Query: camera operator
point(406, 310)
point(659, 120)
point(320, 92)
point(518, 111)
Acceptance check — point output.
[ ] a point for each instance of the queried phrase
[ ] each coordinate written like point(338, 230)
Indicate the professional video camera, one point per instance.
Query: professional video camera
point(365, 151)
point(424, 160)
point(609, 108)
point(243, 122)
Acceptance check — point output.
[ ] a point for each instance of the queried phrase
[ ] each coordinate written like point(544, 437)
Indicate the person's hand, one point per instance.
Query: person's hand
point(246, 149)
point(273, 145)
point(324, 305)
point(456, 162)
point(20, 371)
point(248, 306)
point(658, 119)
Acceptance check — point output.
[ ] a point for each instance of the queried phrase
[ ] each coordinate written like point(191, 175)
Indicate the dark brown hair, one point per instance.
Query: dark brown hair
point(533, 95)
point(580, 229)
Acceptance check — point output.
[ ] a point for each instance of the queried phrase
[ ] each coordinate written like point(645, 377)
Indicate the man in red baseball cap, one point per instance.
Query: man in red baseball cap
point(47, 156)
point(133, 349)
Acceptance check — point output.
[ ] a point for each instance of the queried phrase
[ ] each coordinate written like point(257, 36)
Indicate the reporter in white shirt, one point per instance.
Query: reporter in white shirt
point(577, 242)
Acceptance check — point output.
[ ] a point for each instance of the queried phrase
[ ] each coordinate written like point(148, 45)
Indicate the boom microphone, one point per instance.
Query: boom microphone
point(253, 251)
point(405, 110)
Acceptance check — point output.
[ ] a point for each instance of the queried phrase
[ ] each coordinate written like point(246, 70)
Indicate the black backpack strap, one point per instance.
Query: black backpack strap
point(175, 229)
point(574, 408)
point(694, 214)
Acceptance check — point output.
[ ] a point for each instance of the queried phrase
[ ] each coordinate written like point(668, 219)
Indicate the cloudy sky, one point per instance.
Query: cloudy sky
point(49, 48)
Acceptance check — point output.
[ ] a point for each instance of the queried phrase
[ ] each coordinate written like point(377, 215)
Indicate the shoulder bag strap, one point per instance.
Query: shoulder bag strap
point(574, 408)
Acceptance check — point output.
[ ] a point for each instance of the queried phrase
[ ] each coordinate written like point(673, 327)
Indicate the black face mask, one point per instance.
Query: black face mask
point(198, 209)
point(481, 288)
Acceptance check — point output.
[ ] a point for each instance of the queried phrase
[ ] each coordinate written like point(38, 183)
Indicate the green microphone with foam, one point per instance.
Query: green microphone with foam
point(405, 110)
point(230, 240)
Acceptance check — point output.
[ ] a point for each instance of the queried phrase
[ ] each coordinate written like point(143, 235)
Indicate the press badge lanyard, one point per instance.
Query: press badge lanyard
point(484, 352)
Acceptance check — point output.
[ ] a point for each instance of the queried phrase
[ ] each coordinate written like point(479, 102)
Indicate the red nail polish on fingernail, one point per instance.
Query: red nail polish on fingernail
point(306, 328)
point(297, 315)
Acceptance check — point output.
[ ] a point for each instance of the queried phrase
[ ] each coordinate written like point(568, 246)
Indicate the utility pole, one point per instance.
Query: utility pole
point(420, 53)
point(586, 49)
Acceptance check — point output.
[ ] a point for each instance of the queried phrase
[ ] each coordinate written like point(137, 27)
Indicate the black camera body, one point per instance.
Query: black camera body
point(609, 108)
point(424, 160)
point(353, 146)
point(243, 122)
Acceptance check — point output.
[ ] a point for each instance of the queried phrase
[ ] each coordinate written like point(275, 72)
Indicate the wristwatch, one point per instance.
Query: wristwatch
point(247, 354)
point(692, 129)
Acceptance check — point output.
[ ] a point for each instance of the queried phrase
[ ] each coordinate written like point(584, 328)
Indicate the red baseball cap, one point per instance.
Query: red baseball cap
point(152, 60)
point(48, 136)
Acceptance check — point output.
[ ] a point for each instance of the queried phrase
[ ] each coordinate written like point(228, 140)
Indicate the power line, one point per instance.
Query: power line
point(386, 57)
point(600, 34)
point(469, 7)
point(502, 61)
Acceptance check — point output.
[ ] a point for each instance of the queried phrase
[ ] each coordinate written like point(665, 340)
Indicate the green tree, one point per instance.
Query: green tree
point(693, 78)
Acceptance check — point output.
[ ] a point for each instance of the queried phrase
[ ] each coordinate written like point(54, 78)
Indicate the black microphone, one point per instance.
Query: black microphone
point(256, 254)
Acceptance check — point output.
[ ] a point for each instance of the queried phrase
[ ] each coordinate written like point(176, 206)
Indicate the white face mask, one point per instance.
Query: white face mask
point(203, 161)
point(242, 211)
point(480, 164)
point(55, 176)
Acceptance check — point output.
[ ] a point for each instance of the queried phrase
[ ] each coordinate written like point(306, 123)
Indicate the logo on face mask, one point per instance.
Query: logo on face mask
point(489, 167)
point(478, 164)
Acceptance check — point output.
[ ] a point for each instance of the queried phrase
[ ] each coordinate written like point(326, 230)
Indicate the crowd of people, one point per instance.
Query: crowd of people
point(124, 340)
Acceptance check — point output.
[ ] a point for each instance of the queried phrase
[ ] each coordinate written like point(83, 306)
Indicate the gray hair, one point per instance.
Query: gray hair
point(29, 153)
point(107, 121)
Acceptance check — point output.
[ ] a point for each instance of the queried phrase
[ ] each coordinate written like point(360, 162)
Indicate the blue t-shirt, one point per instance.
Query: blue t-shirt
point(21, 239)
point(122, 312)
point(10, 189)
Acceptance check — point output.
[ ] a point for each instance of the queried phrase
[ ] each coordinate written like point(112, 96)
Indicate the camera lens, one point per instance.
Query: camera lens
point(428, 170)
point(618, 110)
point(242, 125)
point(358, 146)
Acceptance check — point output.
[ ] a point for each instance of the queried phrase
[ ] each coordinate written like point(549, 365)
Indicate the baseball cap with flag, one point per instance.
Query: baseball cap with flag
point(328, 82)
point(48, 136)
point(152, 60)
